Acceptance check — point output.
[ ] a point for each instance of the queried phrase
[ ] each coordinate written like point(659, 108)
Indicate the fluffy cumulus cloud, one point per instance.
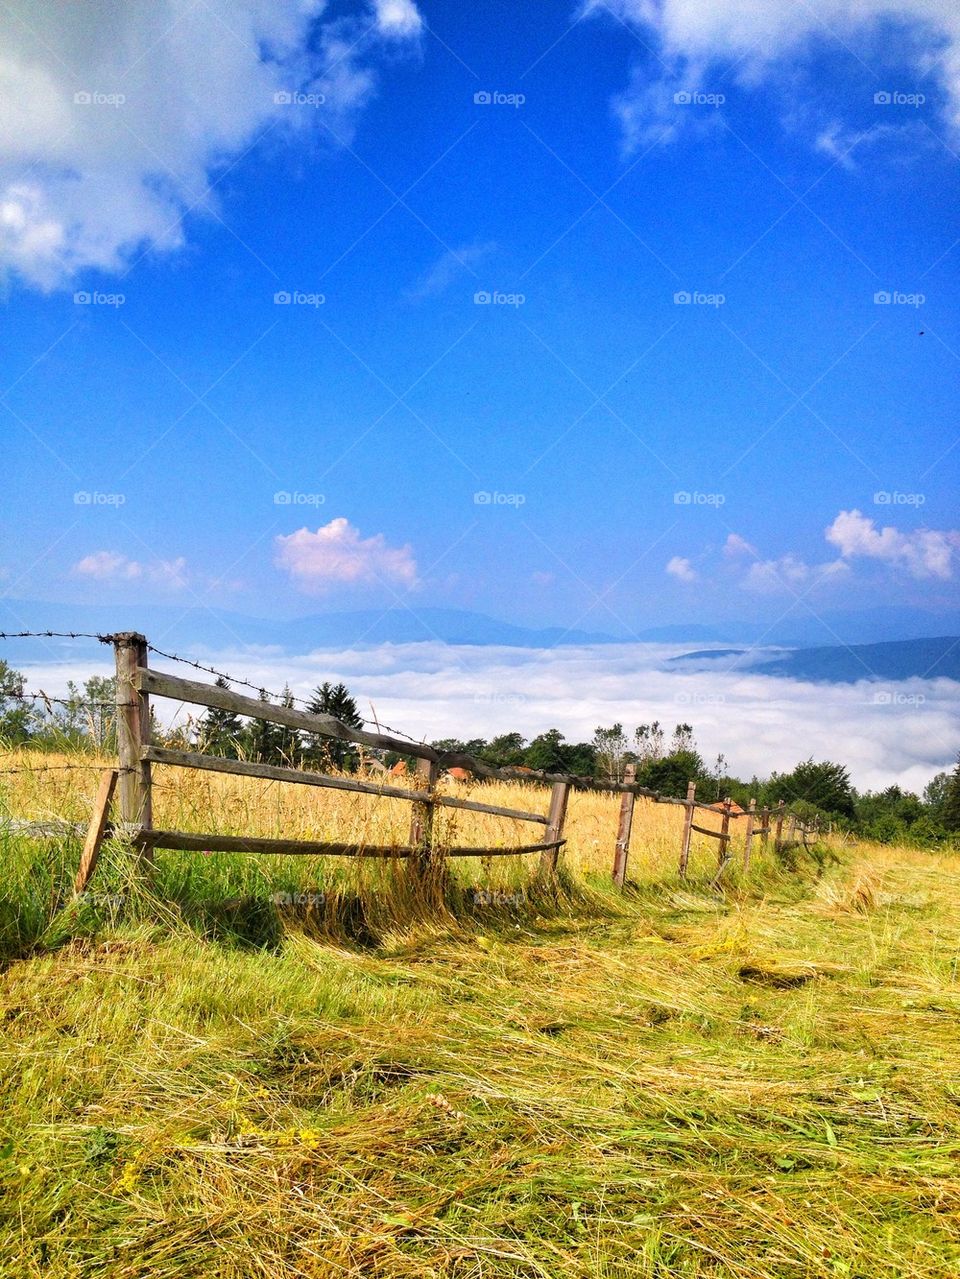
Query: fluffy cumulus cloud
point(789, 573)
point(752, 41)
point(336, 555)
point(736, 546)
point(110, 566)
point(922, 552)
point(681, 569)
point(116, 118)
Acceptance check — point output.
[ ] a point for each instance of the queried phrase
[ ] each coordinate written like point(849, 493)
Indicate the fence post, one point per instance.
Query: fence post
point(556, 816)
point(748, 837)
point(765, 827)
point(624, 828)
point(421, 819)
point(724, 841)
point(687, 828)
point(778, 830)
point(792, 829)
point(133, 733)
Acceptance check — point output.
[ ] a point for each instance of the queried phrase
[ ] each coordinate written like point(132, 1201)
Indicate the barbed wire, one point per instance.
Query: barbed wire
point(104, 639)
point(52, 768)
point(74, 703)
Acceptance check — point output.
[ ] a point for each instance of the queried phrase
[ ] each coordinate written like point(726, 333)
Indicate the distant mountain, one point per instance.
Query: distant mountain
point(838, 664)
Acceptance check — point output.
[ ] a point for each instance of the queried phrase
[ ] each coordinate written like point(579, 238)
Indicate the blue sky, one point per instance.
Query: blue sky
point(647, 460)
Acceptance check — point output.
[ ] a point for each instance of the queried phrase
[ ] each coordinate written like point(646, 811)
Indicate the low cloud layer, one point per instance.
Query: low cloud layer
point(337, 555)
point(116, 118)
point(884, 732)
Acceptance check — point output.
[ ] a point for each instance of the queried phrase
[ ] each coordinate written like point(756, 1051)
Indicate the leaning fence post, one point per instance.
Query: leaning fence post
point(687, 828)
point(133, 733)
point(778, 830)
point(556, 817)
point(748, 836)
point(624, 828)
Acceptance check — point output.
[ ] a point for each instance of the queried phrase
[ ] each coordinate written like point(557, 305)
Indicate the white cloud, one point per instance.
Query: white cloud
point(336, 555)
point(735, 546)
point(398, 18)
point(169, 91)
point(110, 566)
point(923, 553)
point(448, 268)
point(761, 723)
point(107, 566)
point(789, 573)
point(681, 569)
point(751, 41)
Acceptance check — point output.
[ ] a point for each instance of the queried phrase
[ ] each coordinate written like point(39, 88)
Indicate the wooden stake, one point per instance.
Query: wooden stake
point(556, 817)
point(765, 828)
point(748, 836)
point(623, 830)
point(133, 734)
point(778, 829)
point(95, 831)
point(687, 828)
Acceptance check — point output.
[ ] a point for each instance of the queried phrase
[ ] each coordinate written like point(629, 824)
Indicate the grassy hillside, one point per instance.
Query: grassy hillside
point(196, 1081)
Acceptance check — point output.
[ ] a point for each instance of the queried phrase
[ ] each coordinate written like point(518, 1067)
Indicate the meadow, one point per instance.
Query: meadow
point(292, 1067)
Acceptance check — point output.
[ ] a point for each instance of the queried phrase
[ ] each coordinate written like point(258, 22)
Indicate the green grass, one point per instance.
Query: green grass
point(561, 1083)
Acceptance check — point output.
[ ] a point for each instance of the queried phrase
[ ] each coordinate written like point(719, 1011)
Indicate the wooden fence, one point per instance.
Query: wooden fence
point(130, 785)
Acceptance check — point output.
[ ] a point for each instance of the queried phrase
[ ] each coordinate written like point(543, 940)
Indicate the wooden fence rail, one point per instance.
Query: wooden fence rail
point(132, 780)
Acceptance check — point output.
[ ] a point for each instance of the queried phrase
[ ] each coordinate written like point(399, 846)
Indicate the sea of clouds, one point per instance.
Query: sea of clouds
point(885, 732)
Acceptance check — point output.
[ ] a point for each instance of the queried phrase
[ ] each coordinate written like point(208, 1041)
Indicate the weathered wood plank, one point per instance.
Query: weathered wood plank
point(133, 730)
point(96, 830)
point(188, 841)
point(705, 830)
point(280, 773)
point(188, 690)
point(556, 817)
point(622, 850)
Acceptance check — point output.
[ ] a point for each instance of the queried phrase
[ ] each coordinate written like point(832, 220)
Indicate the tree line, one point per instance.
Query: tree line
point(663, 761)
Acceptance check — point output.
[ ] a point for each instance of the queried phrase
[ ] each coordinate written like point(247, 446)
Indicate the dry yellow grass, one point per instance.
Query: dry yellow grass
point(186, 799)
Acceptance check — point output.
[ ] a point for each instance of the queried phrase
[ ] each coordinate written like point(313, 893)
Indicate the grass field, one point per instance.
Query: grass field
point(505, 1080)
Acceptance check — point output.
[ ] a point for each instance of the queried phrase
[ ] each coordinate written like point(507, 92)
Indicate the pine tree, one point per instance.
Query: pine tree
point(289, 745)
point(221, 732)
point(335, 700)
point(951, 801)
point(263, 740)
